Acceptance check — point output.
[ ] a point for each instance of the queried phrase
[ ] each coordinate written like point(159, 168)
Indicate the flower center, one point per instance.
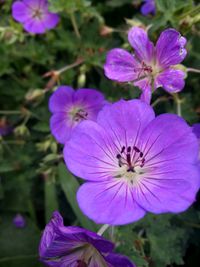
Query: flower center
point(78, 114)
point(130, 162)
point(144, 71)
point(37, 14)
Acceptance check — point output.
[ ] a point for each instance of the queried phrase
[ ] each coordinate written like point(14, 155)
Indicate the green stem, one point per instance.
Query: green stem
point(76, 63)
point(103, 229)
point(9, 112)
point(193, 70)
point(178, 104)
point(18, 258)
point(74, 24)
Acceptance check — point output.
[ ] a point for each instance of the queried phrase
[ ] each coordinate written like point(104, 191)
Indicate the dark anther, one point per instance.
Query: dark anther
point(123, 148)
point(131, 169)
point(129, 149)
point(136, 149)
point(141, 154)
point(128, 158)
point(118, 156)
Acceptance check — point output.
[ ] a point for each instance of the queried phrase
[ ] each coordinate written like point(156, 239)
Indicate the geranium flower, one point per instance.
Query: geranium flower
point(148, 7)
point(77, 247)
point(133, 163)
point(5, 128)
point(19, 221)
point(34, 15)
point(150, 67)
point(70, 107)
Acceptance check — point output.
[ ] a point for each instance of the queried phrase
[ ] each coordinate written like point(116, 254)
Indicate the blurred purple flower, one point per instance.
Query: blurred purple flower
point(70, 107)
point(150, 67)
point(34, 15)
point(133, 163)
point(5, 128)
point(148, 7)
point(77, 247)
point(19, 221)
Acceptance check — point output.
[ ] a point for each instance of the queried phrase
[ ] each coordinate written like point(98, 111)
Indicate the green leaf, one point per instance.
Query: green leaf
point(70, 186)
point(19, 246)
point(51, 202)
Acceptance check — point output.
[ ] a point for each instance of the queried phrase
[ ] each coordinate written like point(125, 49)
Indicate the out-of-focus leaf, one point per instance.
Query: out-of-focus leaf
point(70, 186)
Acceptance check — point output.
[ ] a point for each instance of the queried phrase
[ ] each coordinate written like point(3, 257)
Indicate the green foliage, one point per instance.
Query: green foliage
point(33, 178)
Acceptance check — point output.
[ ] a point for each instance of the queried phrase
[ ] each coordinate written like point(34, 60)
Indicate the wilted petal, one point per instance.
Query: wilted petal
point(121, 66)
point(117, 260)
point(172, 80)
point(170, 48)
point(109, 202)
point(139, 40)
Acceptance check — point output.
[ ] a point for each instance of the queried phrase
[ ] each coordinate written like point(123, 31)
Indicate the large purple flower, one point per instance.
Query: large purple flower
point(70, 107)
point(72, 246)
point(150, 67)
point(148, 7)
point(34, 15)
point(196, 131)
point(133, 163)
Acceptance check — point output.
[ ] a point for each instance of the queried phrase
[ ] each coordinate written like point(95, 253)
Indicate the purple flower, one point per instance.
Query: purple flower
point(148, 7)
point(5, 128)
point(133, 163)
point(150, 67)
point(196, 131)
point(34, 15)
point(70, 107)
point(19, 221)
point(77, 247)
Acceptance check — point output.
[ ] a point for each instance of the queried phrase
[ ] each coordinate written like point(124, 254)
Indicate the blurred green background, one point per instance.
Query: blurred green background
point(33, 179)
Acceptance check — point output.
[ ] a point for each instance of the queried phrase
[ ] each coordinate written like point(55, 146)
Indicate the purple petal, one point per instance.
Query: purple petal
point(196, 129)
point(145, 86)
point(19, 221)
point(21, 12)
point(168, 188)
point(118, 260)
point(85, 153)
point(61, 126)
point(60, 99)
point(34, 26)
point(139, 40)
point(92, 100)
point(98, 200)
point(148, 7)
point(125, 120)
point(121, 66)
point(168, 137)
point(170, 48)
point(50, 20)
point(35, 4)
point(171, 80)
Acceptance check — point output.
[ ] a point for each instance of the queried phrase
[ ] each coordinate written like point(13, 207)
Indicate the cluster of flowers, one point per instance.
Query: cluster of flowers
point(133, 162)
point(36, 18)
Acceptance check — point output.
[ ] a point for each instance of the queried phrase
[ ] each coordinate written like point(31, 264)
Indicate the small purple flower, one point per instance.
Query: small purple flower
point(19, 221)
point(150, 67)
point(77, 247)
point(133, 163)
point(5, 128)
point(70, 107)
point(34, 15)
point(149, 7)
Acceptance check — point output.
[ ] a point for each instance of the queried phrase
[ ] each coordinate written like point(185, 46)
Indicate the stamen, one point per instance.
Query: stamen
point(129, 149)
point(123, 148)
point(136, 149)
point(141, 154)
